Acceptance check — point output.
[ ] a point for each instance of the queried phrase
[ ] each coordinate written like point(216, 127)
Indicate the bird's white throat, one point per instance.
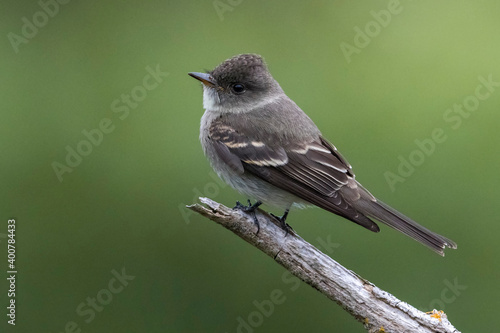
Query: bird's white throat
point(212, 102)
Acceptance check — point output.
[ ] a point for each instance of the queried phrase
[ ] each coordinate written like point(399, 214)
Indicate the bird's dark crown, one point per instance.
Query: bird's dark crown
point(245, 68)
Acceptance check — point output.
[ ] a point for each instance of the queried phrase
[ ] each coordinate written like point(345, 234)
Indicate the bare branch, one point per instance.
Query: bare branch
point(376, 309)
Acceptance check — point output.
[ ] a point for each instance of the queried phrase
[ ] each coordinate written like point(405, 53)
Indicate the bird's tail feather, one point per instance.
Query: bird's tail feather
point(394, 219)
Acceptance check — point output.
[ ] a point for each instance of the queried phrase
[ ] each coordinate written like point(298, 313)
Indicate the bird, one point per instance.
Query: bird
point(260, 142)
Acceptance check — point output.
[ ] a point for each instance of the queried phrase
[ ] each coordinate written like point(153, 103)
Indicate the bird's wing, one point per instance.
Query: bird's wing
point(312, 170)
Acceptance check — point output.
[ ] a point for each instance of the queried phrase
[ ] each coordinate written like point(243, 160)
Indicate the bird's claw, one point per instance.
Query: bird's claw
point(250, 209)
point(282, 220)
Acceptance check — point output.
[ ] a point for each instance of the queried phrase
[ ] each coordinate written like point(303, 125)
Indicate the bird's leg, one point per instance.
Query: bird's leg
point(251, 210)
point(282, 220)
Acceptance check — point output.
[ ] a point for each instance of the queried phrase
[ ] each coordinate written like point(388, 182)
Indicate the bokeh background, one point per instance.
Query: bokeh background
point(121, 208)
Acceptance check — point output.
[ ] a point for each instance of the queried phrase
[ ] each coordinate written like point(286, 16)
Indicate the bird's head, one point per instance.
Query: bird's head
point(238, 84)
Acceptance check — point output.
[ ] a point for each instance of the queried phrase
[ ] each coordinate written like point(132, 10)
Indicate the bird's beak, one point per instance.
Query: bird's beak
point(205, 78)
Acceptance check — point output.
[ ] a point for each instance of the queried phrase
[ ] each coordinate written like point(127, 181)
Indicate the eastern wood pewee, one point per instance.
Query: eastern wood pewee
point(262, 144)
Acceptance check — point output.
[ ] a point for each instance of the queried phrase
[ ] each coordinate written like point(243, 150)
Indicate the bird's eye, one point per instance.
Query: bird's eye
point(238, 88)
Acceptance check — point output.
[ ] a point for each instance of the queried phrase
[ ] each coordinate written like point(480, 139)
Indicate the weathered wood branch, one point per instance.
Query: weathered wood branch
point(377, 310)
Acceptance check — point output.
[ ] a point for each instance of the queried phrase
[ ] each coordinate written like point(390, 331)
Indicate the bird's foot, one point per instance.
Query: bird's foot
point(282, 220)
point(251, 210)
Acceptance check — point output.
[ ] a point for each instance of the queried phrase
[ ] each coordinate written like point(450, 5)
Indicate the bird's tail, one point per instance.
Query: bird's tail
point(394, 219)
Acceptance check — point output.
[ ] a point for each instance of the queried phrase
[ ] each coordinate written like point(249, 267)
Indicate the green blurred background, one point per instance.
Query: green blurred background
point(121, 208)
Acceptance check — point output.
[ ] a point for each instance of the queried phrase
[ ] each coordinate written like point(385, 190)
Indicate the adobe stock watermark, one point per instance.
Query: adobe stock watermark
point(449, 294)
point(372, 29)
point(454, 117)
point(121, 106)
point(209, 190)
point(30, 27)
point(265, 308)
point(88, 309)
point(223, 6)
